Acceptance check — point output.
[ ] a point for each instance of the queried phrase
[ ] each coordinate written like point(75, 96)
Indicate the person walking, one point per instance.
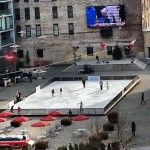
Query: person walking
point(18, 96)
point(70, 114)
point(101, 85)
point(81, 107)
point(142, 98)
point(12, 109)
point(53, 92)
point(30, 76)
point(61, 91)
point(133, 128)
point(83, 81)
point(19, 110)
point(97, 59)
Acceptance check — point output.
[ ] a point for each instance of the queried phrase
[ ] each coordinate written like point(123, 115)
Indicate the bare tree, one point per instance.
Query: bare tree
point(122, 134)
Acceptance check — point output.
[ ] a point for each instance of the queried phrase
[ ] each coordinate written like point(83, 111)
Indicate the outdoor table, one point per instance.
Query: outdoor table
point(81, 131)
point(39, 73)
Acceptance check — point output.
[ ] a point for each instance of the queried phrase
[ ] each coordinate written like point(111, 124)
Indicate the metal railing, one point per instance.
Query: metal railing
point(5, 12)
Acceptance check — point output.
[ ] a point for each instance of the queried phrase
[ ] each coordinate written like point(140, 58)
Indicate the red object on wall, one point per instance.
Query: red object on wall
point(10, 57)
point(102, 45)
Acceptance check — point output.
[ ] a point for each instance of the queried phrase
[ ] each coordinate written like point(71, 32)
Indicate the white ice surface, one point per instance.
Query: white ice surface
point(73, 93)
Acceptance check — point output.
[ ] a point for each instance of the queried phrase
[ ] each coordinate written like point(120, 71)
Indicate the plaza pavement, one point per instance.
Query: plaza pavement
point(129, 105)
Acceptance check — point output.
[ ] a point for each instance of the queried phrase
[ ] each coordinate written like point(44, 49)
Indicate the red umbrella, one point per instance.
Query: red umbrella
point(48, 118)
point(21, 119)
point(2, 119)
point(79, 118)
point(55, 113)
point(40, 124)
point(10, 57)
point(6, 114)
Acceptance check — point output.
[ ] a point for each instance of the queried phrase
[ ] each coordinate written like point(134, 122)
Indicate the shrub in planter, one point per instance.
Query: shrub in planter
point(95, 140)
point(41, 145)
point(66, 122)
point(117, 54)
point(103, 135)
point(115, 146)
point(108, 127)
point(15, 124)
point(62, 148)
point(113, 117)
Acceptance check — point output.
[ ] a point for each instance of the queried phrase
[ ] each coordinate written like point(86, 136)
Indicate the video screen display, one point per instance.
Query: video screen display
point(100, 16)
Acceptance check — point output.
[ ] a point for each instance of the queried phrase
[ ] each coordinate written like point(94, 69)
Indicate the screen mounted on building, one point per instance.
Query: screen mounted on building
point(101, 16)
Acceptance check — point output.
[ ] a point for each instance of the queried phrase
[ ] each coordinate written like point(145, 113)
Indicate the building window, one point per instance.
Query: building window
point(55, 12)
point(16, 1)
point(20, 53)
point(39, 52)
point(70, 11)
point(26, 0)
point(90, 51)
point(27, 14)
point(37, 13)
point(17, 14)
point(28, 31)
point(36, 0)
point(55, 29)
point(71, 28)
point(109, 50)
point(38, 30)
point(18, 29)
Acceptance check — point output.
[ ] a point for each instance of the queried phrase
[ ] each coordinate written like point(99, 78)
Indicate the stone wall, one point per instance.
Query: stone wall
point(60, 48)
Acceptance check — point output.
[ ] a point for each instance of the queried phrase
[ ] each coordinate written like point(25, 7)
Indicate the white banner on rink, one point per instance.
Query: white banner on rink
point(93, 78)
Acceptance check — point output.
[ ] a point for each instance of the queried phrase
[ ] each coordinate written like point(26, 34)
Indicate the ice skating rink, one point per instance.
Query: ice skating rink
point(72, 94)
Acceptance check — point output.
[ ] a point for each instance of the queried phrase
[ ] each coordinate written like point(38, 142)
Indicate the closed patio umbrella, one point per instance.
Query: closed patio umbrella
point(6, 114)
point(79, 118)
point(3, 119)
point(55, 113)
point(40, 124)
point(21, 119)
point(48, 118)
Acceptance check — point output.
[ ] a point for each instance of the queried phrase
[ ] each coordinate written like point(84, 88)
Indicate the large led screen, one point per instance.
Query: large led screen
point(100, 16)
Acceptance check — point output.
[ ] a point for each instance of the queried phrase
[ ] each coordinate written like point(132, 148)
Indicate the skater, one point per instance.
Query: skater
point(83, 81)
point(18, 96)
point(61, 91)
point(142, 98)
point(19, 110)
point(101, 85)
point(70, 114)
point(133, 128)
point(81, 107)
point(53, 92)
point(107, 85)
point(97, 59)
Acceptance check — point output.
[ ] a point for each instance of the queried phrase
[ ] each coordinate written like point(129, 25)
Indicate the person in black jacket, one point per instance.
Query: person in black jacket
point(133, 128)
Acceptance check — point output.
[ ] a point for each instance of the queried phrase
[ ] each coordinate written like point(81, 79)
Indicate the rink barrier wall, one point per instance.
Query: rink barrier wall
point(120, 95)
point(79, 78)
point(87, 111)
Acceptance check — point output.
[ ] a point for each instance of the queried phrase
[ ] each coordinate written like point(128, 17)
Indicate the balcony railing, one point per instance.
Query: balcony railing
point(5, 12)
point(7, 41)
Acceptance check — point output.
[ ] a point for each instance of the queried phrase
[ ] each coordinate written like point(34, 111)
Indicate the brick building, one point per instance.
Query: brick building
point(56, 30)
point(146, 26)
